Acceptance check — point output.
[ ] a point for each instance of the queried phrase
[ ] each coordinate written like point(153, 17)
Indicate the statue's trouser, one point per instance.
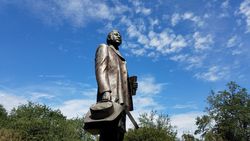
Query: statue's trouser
point(116, 131)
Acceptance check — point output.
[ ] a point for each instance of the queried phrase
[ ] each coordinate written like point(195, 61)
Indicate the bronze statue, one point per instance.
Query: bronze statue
point(115, 90)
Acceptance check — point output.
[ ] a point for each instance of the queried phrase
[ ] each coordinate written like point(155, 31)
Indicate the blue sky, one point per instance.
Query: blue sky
point(180, 50)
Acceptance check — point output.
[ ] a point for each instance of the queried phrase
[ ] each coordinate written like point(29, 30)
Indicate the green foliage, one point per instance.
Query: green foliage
point(188, 137)
point(228, 115)
point(38, 122)
point(3, 116)
point(153, 127)
point(35, 122)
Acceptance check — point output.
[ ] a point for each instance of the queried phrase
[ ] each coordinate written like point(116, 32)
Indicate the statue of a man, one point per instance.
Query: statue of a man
point(113, 83)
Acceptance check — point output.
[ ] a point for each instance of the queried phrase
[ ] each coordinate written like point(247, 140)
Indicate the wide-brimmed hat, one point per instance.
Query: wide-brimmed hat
point(100, 115)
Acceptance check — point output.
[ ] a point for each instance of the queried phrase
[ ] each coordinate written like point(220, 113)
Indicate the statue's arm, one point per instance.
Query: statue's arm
point(101, 69)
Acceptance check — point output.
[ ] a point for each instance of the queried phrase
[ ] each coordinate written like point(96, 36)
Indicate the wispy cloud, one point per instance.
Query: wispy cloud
point(180, 57)
point(76, 12)
point(166, 41)
point(185, 122)
point(148, 86)
point(176, 18)
point(202, 42)
point(192, 46)
point(214, 73)
point(140, 8)
point(235, 44)
point(36, 96)
point(225, 4)
point(191, 62)
point(185, 106)
point(90, 92)
point(232, 41)
point(245, 11)
point(52, 76)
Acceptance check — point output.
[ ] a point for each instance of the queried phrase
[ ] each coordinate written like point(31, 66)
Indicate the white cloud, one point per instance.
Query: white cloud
point(52, 75)
point(202, 42)
point(176, 18)
point(52, 90)
point(143, 10)
point(166, 41)
point(80, 11)
point(214, 73)
point(153, 23)
point(185, 122)
point(191, 62)
point(179, 58)
point(10, 101)
point(148, 86)
point(146, 103)
point(225, 4)
point(185, 106)
point(90, 92)
point(235, 43)
point(178, 44)
point(187, 15)
point(150, 42)
point(134, 30)
point(76, 107)
point(138, 51)
point(140, 8)
point(232, 41)
point(36, 96)
point(135, 49)
point(120, 8)
point(75, 12)
point(194, 62)
point(236, 52)
point(245, 11)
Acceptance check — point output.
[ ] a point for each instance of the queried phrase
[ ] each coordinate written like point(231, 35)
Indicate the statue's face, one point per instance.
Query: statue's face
point(116, 38)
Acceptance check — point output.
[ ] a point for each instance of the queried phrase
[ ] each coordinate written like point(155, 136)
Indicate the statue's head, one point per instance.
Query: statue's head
point(114, 38)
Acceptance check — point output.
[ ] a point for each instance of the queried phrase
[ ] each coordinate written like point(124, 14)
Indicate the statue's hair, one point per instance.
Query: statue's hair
point(109, 40)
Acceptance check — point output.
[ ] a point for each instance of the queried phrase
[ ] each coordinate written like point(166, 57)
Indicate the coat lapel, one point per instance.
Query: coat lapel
point(117, 52)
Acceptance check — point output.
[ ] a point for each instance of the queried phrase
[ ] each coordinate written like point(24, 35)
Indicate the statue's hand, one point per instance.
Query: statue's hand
point(106, 96)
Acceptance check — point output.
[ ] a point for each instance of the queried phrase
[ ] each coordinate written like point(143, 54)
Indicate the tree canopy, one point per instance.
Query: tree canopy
point(228, 115)
point(153, 127)
point(35, 122)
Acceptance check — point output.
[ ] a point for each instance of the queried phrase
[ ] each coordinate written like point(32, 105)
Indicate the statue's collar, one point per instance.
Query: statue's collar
point(117, 52)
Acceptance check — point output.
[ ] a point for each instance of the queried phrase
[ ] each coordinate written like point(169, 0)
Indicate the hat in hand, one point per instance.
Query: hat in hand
point(100, 115)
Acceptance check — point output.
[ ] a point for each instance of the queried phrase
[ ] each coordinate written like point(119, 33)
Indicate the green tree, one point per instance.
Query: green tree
point(153, 127)
point(3, 116)
point(228, 115)
point(37, 122)
point(188, 137)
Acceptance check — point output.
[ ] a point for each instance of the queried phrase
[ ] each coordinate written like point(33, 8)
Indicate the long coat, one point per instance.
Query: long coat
point(112, 75)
